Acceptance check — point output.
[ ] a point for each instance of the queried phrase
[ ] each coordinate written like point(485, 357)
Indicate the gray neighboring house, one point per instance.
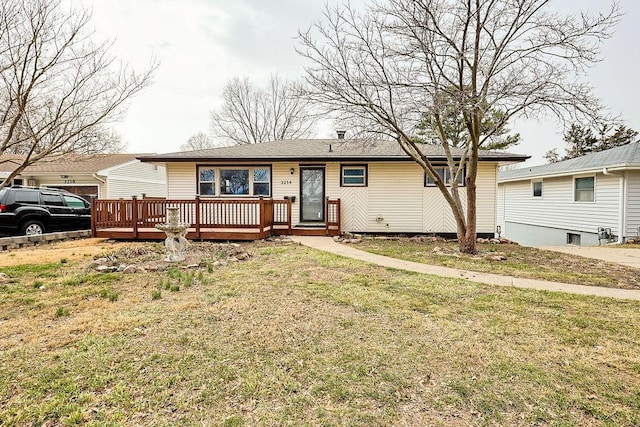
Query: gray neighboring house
point(569, 201)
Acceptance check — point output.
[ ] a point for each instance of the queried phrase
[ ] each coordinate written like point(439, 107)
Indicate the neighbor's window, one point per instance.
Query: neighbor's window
point(207, 178)
point(261, 181)
point(583, 189)
point(353, 176)
point(536, 187)
point(445, 174)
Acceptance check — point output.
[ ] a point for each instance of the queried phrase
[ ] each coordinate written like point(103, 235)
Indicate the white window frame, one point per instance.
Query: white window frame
point(365, 177)
point(217, 184)
point(575, 190)
point(446, 175)
point(533, 188)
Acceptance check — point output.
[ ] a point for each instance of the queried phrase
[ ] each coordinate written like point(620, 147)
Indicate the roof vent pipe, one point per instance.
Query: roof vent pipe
point(341, 133)
point(330, 149)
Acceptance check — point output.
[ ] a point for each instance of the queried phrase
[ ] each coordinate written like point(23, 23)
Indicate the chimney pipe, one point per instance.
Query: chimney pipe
point(341, 134)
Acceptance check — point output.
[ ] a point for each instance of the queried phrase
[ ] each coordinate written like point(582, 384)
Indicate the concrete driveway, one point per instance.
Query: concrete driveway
point(618, 254)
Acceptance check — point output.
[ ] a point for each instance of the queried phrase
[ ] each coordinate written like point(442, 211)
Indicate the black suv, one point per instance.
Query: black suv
point(27, 210)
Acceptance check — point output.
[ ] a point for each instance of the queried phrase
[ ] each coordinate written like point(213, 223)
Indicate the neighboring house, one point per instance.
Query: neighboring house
point(568, 202)
point(381, 189)
point(105, 176)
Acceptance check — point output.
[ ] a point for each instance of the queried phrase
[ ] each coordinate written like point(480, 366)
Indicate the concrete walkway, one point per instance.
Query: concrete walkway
point(618, 254)
point(327, 244)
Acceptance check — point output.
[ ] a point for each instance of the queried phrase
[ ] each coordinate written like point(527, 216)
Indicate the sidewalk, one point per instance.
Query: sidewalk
point(616, 254)
point(327, 244)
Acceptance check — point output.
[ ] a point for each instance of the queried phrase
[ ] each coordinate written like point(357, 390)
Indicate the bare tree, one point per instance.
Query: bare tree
point(198, 141)
point(250, 115)
point(400, 61)
point(58, 89)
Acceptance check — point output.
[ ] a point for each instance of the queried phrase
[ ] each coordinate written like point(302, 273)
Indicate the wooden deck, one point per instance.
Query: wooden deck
point(209, 219)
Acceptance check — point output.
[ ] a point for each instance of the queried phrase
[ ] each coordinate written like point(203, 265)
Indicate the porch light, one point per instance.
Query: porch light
point(292, 171)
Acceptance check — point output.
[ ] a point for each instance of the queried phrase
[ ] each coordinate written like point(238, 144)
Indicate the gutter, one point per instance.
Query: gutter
point(622, 210)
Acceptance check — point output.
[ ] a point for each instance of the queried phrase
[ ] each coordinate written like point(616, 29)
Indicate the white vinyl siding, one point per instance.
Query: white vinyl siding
point(181, 181)
point(394, 201)
point(557, 208)
point(287, 185)
point(633, 204)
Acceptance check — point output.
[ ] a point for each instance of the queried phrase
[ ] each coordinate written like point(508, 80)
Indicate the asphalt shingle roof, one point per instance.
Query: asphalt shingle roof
point(71, 164)
point(317, 149)
point(624, 156)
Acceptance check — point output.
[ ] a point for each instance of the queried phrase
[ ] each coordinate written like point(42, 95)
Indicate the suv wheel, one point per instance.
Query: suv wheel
point(31, 228)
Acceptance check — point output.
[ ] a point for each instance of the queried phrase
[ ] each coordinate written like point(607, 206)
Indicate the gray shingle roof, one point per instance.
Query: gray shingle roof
point(318, 150)
point(617, 157)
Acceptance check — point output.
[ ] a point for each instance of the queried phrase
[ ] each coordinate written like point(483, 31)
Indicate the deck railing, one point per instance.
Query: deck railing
point(254, 217)
point(208, 218)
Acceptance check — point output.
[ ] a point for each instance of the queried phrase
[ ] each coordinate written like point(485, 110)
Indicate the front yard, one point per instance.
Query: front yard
point(293, 336)
point(519, 261)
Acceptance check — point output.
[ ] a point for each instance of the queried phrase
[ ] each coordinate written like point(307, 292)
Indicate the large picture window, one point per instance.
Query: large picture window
point(445, 175)
point(234, 181)
point(353, 176)
point(584, 189)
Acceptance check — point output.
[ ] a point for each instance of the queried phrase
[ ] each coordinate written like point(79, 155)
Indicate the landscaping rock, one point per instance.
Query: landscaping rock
point(3, 277)
point(106, 269)
point(191, 266)
point(494, 241)
point(499, 258)
point(130, 269)
point(337, 239)
point(242, 256)
point(100, 261)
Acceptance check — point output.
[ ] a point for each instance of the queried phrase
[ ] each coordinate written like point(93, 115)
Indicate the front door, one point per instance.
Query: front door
point(312, 194)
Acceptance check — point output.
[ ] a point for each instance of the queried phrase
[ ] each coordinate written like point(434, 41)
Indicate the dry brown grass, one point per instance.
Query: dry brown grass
point(74, 250)
point(298, 337)
point(520, 261)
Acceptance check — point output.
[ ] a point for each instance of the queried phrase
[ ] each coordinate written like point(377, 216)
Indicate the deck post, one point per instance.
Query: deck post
point(289, 205)
point(326, 216)
point(134, 215)
point(197, 216)
point(94, 213)
point(262, 218)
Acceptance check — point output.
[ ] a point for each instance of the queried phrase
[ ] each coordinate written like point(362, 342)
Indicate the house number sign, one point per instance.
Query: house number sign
point(69, 181)
point(286, 182)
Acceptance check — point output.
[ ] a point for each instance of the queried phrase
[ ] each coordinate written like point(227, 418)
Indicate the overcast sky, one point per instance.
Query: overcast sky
point(200, 44)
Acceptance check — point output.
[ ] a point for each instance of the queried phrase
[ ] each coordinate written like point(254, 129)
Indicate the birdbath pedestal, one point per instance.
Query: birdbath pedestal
point(176, 242)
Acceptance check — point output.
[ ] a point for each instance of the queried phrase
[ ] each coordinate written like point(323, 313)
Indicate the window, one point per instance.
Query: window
point(52, 200)
point(74, 202)
point(445, 174)
point(207, 182)
point(583, 189)
point(573, 239)
point(27, 197)
point(261, 181)
point(536, 187)
point(353, 176)
point(234, 181)
point(228, 181)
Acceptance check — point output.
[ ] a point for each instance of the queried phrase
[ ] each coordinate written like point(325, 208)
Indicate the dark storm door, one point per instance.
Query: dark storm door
point(312, 194)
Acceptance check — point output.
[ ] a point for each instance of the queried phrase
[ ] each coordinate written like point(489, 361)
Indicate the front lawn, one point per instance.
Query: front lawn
point(293, 336)
point(520, 261)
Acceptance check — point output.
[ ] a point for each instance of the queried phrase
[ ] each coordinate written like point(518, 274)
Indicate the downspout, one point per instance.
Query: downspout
point(103, 181)
point(621, 217)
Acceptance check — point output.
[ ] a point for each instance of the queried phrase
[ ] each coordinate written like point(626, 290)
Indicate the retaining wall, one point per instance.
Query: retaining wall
point(16, 242)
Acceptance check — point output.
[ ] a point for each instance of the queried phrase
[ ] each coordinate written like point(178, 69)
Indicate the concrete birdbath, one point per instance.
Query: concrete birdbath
point(176, 242)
